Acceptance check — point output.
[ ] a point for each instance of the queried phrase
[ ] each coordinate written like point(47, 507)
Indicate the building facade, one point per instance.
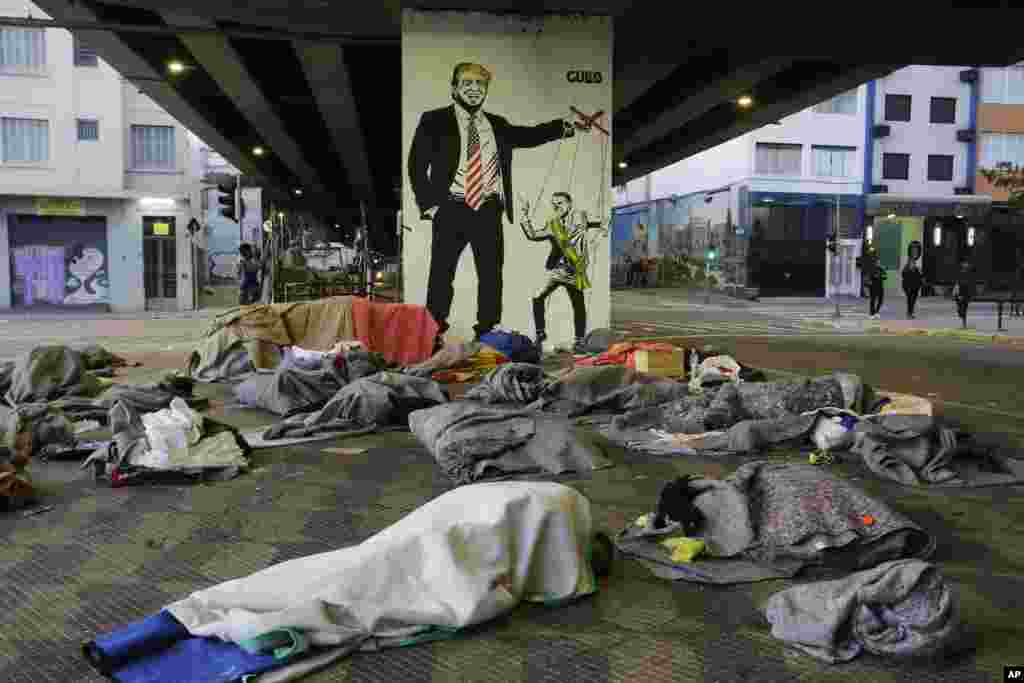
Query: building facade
point(921, 133)
point(1000, 130)
point(97, 183)
point(896, 161)
point(789, 185)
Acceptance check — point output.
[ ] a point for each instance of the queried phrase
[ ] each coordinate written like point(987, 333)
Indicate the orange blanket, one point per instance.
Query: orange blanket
point(402, 333)
point(624, 353)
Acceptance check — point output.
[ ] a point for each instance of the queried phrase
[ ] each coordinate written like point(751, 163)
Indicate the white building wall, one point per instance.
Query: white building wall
point(733, 162)
point(919, 137)
point(98, 172)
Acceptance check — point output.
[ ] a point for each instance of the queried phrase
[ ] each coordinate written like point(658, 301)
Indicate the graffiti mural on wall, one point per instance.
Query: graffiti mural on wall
point(87, 275)
point(470, 170)
point(59, 261)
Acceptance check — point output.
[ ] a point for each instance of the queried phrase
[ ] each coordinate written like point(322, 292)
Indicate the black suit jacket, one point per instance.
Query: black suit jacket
point(434, 157)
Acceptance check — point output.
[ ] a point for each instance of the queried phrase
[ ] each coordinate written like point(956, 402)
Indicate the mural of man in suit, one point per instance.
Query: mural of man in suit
point(460, 168)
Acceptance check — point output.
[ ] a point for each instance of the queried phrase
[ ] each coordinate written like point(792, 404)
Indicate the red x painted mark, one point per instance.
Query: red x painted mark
point(589, 121)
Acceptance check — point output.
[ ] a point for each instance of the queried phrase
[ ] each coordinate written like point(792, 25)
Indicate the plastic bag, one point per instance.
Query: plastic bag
point(170, 433)
point(832, 433)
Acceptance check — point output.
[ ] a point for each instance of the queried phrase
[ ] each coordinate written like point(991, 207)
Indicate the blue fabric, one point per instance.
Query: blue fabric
point(518, 348)
point(158, 649)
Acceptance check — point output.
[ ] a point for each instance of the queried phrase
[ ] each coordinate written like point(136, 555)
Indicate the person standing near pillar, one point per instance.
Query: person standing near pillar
point(912, 277)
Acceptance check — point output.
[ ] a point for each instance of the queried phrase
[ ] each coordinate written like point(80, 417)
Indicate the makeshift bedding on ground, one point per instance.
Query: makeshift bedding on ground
point(770, 520)
point(49, 372)
point(916, 450)
point(288, 390)
point(902, 608)
point(462, 559)
point(520, 383)
point(402, 333)
point(168, 445)
point(472, 442)
point(142, 398)
point(610, 388)
point(460, 362)
point(380, 400)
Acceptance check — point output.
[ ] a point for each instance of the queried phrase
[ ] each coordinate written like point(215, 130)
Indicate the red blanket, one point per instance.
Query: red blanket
point(624, 354)
point(402, 333)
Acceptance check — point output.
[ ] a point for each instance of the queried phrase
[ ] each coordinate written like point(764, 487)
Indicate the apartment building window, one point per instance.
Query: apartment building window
point(940, 167)
point(897, 107)
point(152, 148)
point(778, 159)
point(943, 110)
point(24, 141)
point(1000, 148)
point(22, 50)
point(846, 103)
point(88, 130)
point(84, 55)
point(1002, 86)
point(896, 166)
point(834, 162)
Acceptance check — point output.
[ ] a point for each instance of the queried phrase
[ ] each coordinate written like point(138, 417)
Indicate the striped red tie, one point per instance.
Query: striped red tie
point(474, 171)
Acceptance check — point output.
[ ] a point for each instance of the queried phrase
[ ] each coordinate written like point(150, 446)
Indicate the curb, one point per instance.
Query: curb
point(966, 335)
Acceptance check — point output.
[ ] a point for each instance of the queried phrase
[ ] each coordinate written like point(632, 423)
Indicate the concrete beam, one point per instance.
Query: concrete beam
point(224, 65)
point(327, 74)
point(149, 81)
point(712, 94)
point(708, 134)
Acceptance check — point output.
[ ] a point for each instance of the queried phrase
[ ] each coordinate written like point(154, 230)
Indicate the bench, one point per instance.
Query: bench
point(999, 300)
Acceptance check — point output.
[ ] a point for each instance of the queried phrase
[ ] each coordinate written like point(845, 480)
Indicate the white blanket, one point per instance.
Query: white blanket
point(463, 558)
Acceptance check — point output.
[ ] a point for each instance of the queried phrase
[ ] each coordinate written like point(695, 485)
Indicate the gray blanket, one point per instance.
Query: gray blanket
point(724, 406)
point(916, 450)
point(612, 388)
point(519, 383)
point(383, 399)
point(50, 372)
point(290, 389)
point(471, 442)
point(771, 520)
point(141, 398)
point(902, 608)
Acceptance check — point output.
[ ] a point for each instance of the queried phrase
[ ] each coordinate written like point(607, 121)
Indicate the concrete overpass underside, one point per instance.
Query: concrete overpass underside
point(317, 83)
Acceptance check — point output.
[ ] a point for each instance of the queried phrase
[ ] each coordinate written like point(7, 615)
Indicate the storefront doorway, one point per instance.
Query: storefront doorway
point(160, 263)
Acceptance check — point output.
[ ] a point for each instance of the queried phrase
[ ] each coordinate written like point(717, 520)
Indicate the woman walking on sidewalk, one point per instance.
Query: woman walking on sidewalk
point(876, 288)
point(963, 291)
point(912, 277)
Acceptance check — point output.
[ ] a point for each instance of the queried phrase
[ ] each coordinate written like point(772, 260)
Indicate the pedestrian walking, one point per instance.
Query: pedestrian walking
point(912, 277)
point(963, 291)
point(876, 289)
point(248, 276)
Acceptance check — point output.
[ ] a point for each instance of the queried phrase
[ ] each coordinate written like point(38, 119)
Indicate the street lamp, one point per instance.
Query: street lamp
point(175, 67)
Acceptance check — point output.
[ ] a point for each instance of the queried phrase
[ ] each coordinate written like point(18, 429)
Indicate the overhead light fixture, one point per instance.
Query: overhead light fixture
point(768, 200)
point(298, 192)
point(175, 67)
point(970, 237)
point(960, 216)
point(157, 202)
point(257, 151)
point(623, 164)
point(280, 215)
point(891, 216)
point(745, 101)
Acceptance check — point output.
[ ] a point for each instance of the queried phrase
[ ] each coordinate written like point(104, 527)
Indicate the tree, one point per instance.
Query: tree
point(1009, 177)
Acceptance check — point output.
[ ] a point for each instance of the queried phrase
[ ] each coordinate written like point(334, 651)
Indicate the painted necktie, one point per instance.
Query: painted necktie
point(474, 171)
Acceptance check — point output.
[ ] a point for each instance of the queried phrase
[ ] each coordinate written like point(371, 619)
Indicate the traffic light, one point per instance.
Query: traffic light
point(712, 254)
point(230, 199)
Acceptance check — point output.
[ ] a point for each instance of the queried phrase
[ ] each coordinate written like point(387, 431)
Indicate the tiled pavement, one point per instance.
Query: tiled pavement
point(104, 557)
